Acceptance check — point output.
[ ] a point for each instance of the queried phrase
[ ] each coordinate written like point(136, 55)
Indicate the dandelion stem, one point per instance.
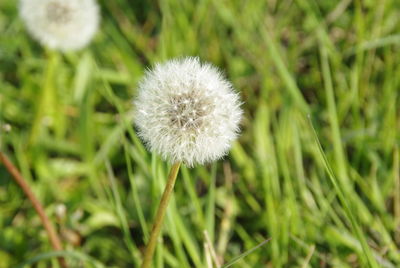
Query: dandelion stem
point(53, 236)
point(148, 255)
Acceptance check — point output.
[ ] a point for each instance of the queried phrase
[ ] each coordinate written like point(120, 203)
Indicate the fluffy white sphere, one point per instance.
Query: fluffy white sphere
point(187, 111)
point(61, 24)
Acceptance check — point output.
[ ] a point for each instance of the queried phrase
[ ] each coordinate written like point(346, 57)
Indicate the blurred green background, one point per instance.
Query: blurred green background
point(65, 122)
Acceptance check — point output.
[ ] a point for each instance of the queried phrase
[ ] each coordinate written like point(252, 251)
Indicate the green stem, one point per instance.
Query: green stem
point(148, 254)
point(46, 102)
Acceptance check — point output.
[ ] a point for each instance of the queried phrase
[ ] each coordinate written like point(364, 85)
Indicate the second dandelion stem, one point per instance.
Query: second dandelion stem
point(158, 221)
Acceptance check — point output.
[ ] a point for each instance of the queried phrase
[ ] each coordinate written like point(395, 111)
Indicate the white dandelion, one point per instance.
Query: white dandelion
point(61, 24)
point(187, 111)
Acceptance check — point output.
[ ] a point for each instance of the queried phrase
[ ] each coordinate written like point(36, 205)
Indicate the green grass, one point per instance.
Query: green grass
point(330, 204)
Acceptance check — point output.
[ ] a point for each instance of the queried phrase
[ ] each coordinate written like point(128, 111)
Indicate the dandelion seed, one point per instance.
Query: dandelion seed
point(192, 113)
point(61, 24)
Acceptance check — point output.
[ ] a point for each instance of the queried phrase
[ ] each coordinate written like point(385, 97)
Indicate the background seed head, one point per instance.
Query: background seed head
point(187, 111)
point(61, 24)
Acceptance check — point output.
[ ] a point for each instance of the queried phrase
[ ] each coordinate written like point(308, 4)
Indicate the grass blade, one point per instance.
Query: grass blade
point(241, 256)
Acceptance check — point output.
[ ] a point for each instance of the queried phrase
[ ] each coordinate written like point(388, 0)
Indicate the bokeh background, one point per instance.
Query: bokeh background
point(65, 121)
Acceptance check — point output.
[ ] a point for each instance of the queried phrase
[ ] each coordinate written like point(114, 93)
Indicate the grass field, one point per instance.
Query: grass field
point(65, 121)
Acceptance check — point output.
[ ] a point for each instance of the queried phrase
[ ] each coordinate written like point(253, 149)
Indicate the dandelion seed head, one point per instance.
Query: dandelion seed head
point(191, 112)
point(61, 24)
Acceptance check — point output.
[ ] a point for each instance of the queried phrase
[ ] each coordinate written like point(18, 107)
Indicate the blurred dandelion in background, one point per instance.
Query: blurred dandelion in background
point(61, 24)
point(186, 111)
